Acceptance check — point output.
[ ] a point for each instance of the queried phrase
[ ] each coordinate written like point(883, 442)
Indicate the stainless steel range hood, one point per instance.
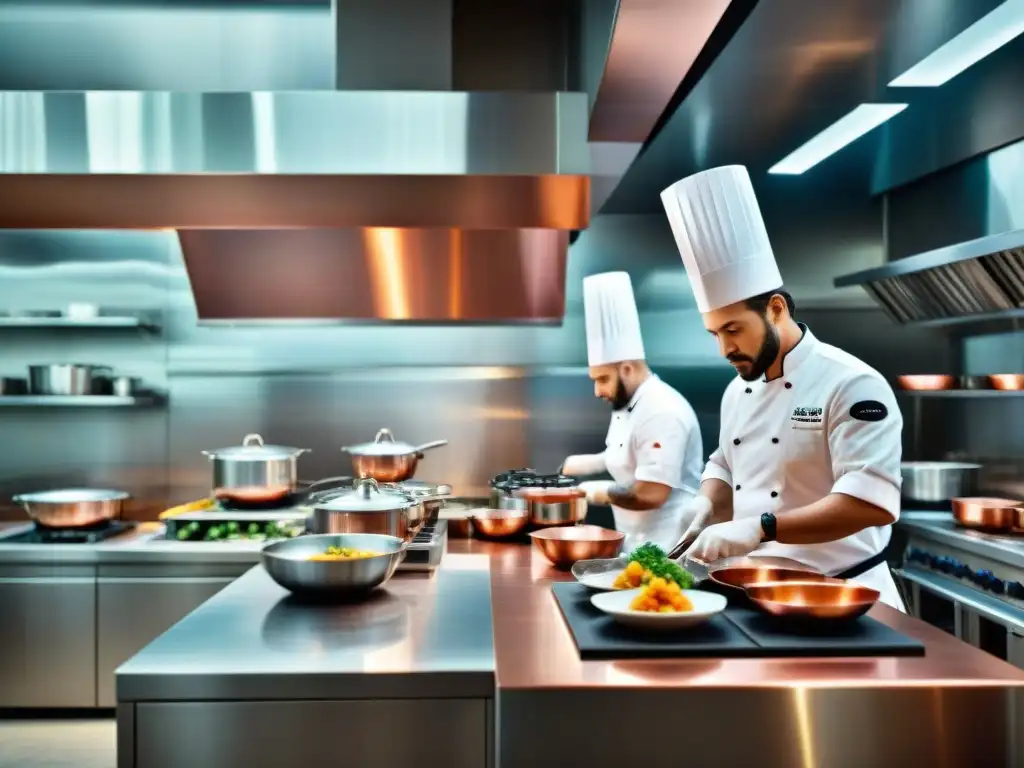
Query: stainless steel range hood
point(391, 198)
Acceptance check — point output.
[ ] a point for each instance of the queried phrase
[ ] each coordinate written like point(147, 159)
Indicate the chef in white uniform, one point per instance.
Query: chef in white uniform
point(653, 450)
point(808, 463)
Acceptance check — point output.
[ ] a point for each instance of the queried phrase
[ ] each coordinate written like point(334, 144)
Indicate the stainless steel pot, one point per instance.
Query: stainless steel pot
point(64, 379)
point(387, 460)
point(429, 498)
point(553, 506)
point(366, 508)
point(72, 507)
point(938, 481)
point(254, 472)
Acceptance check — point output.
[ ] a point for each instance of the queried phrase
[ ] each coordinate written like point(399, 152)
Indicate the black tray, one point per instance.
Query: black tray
point(738, 632)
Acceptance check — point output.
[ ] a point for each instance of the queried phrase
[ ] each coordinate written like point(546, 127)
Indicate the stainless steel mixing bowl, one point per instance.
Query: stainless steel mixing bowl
point(289, 565)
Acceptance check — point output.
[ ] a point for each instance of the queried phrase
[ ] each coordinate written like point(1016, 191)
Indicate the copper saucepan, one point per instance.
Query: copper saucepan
point(564, 546)
point(1007, 381)
point(387, 460)
point(72, 507)
point(746, 576)
point(813, 600)
point(989, 514)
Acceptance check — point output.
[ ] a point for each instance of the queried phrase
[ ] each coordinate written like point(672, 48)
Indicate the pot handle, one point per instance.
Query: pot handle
point(384, 436)
point(250, 440)
point(427, 446)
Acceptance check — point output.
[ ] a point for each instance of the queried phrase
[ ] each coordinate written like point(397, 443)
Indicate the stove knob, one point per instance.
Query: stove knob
point(997, 585)
point(948, 565)
point(981, 578)
point(1015, 589)
point(963, 571)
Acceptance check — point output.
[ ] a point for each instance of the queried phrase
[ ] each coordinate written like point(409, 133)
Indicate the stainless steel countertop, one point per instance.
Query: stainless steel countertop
point(422, 636)
point(141, 545)
point(940, 527)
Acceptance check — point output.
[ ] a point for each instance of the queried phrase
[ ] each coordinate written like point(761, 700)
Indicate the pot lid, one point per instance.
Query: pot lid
point(254, 449)
point(384, 444)
point(419, 489)
point(366, 496)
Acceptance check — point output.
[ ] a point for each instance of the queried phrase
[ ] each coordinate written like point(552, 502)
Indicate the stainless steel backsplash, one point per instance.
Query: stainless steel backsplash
point(504, 396)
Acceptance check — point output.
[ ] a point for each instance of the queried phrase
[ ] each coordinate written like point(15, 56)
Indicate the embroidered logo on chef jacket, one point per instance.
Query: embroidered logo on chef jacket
point(807, 416)
point(869, 410)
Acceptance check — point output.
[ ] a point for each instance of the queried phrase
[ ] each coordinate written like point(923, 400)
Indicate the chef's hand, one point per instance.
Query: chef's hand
point(730, 539)
point(597, 490)
point(694, 518)
point(582, 465)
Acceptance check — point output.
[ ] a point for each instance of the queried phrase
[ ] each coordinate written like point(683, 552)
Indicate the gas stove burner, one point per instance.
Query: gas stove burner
point(92, 534)
point(528, 478)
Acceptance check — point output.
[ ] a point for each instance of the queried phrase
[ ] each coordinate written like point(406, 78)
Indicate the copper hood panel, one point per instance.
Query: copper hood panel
point(377, 275)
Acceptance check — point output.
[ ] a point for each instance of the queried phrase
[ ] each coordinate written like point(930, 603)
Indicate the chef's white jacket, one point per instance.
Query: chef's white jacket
point(829, 424)
point(655, 439)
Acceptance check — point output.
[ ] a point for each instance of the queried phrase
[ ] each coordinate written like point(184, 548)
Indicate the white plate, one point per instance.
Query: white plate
point(598, 574)
point(616, 605)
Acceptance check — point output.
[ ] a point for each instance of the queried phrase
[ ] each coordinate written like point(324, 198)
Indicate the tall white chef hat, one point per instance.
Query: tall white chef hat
point(613, 324)
point(721, 236)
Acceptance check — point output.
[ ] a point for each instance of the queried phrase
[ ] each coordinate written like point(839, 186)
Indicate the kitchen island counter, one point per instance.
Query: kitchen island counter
point(482, 642)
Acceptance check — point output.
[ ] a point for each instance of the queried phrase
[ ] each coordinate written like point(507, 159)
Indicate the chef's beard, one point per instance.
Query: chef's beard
point(621, 399)
point(766, 355)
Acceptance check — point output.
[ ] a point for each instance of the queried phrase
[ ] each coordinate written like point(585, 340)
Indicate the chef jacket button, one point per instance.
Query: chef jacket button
point(748, 390)
point(736, 441)
point(789, 385)
point(775, 440)
point(775, 494)
point(737, 487)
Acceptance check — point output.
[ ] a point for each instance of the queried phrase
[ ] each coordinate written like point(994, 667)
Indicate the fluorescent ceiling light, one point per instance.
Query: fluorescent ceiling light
point(836, 136)
point(988, 34)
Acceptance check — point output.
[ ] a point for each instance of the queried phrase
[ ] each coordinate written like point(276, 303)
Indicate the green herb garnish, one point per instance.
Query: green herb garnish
point(653, 559)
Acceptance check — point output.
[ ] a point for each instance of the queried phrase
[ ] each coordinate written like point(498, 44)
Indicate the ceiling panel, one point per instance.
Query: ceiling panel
point(792, 69)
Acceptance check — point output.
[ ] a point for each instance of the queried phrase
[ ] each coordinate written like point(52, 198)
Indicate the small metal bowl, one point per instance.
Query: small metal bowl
point(565, 546)
point(816, 600)
point(499, 523)
point(743, 577)
point(927, 382)
point(289, 565)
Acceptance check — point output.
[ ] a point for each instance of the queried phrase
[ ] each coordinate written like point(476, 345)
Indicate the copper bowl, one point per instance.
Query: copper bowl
point(498, 523)
point(743, 577)
point(813, 599)
point(1007, 381)
point(927, 382)
point(989, 513)
point(564, 546)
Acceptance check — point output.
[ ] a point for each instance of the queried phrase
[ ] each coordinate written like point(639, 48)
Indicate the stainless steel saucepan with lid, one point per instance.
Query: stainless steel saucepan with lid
point(254, 472)
point(366, 508)
point(387, 460)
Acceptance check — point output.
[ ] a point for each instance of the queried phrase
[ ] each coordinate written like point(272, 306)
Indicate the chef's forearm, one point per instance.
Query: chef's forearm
point(719, 493)
point(640, 496)
point(832, 518)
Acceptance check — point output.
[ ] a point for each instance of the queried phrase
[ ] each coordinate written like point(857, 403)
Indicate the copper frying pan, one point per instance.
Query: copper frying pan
point(989, 514)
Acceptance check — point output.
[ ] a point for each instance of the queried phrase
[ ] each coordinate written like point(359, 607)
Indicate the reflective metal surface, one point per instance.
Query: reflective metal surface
point(498, 523)
point(791, 708)
point(231, 648)
point(72, 507)
point(818, 601)
point(739, 577)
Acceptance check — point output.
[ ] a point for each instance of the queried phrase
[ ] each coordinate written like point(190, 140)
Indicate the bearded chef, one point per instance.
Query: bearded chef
point(653, 450)
point(808, 463)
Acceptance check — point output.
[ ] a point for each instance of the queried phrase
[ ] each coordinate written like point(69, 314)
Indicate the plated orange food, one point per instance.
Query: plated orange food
point(661, 596)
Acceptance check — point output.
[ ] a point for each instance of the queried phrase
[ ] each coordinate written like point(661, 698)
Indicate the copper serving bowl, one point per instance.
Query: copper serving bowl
point(743, 577)
point(989, 513)
point(1007, 381)
point(564, 546)
point(927, 382)
point(816, 600)
point(498, 523)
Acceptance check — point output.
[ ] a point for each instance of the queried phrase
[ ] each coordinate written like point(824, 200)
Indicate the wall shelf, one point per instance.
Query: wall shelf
point(991, 394)
point(94, 323)
point(79, 401)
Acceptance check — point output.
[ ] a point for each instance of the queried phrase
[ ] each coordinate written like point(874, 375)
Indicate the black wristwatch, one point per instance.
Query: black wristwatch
point(768, 526)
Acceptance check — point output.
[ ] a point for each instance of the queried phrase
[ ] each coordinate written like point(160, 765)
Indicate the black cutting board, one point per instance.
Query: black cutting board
point(861, 637)
point(739, 632)
point(599, 637)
